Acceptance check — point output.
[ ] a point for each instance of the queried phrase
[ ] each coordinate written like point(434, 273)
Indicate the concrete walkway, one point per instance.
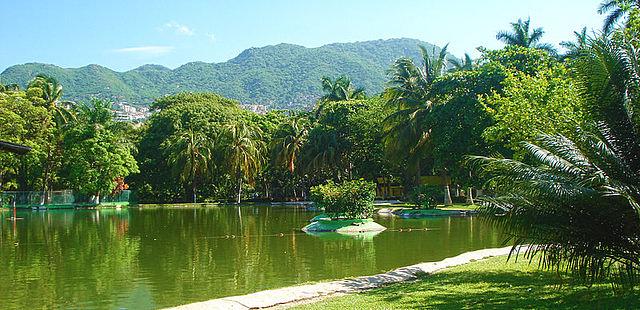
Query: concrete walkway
point(295, 294)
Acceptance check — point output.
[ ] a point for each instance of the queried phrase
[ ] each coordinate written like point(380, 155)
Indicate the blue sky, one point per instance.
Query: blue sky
point(123, 35)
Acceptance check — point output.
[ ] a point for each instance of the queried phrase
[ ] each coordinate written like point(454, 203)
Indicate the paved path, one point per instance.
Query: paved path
point(294, 294)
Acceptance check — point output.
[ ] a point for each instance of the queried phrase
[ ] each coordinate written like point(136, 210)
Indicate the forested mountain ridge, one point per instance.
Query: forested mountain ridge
point(280, 76)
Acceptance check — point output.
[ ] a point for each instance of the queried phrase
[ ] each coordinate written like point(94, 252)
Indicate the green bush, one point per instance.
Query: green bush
point(426, 196)
point(350, 199)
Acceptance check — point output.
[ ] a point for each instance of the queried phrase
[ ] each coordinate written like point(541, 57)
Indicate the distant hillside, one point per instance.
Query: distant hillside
point(280, 76)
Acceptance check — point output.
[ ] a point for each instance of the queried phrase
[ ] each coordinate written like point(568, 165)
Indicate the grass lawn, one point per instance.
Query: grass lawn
point(460, 207)
point(493, 284)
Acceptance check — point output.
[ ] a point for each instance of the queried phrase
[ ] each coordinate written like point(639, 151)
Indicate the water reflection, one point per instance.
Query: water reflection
point(149, 258)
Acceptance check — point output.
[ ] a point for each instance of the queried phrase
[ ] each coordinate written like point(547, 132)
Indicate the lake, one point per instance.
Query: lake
point(145, 258)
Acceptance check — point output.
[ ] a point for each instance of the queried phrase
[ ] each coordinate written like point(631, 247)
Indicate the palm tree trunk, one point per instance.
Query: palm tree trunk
point(239, 178)
point(193, 190)
point(45, 179)
point(470, 197)
point(447, 191)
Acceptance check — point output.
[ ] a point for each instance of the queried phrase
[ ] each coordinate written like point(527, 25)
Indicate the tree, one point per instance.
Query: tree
point(573, 47)
point(341, 89)
point(579, 199)
point(9, 88)
point(530, 104)
point(189, 153)
point(94, 153)
point(461, 65)
point(618, 10)
point(204, 113)
point(243, 150)
point(287, 146)
point(410, 97)
point(25, 123)
point(522, 35)
point(52, 96)
point(49, 91)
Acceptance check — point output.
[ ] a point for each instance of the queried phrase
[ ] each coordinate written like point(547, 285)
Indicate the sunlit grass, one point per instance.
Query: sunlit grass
point(493, 284)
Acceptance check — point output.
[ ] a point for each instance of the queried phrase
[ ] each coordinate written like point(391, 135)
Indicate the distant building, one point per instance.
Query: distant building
point(256, 108)
point(124, 112)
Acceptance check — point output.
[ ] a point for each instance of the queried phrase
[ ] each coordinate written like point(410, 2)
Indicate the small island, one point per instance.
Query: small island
point(348, 207)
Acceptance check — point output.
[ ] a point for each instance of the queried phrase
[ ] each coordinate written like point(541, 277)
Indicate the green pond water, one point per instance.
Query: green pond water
point(152, 258)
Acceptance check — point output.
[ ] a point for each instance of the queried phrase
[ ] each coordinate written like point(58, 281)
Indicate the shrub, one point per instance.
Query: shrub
point(426, 196)
point(350, 199)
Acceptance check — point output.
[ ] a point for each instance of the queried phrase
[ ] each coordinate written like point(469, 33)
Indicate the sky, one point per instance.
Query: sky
point(125, 34)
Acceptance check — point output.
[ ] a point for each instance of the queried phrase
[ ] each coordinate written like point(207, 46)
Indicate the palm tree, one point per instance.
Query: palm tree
point(287, 147)
point(52, 96)
point(189, 153)
point(340, 90)
point(522, 35)
point(408, 129)
point(324, 152)
point(461, 65)
point(573, 47)
point(579, 200)
point(618, 10)
point(244, 152)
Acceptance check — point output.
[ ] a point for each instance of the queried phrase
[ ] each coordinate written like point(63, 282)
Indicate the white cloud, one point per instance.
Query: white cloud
point(146, 50)
point(179, 29)
point(211, 37)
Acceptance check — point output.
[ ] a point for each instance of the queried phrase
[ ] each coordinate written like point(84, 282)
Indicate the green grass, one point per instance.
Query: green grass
point(492, 284)
point(458, 207)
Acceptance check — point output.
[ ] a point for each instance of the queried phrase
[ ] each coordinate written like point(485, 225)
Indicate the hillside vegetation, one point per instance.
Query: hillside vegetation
point(284, 76)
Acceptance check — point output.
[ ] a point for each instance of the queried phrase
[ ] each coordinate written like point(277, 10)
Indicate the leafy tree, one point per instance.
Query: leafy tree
point(25, 123)
point(94, 153)
point(531, 104)
point(243, 150)
point(579, 199)
point(618, 10)
point(189, 153)
point(522, 35)
point(205, 115)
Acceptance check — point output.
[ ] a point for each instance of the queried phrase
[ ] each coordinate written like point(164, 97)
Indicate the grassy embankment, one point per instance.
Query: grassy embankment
point(493, 284)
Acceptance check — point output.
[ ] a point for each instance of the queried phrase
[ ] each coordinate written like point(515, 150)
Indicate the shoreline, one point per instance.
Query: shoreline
point(294, 295)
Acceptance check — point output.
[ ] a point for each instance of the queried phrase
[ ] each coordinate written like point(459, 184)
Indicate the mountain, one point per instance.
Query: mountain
point(282, 76)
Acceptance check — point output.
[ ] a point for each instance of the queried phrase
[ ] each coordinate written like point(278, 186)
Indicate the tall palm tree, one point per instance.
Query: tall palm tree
point(579, 201)
point(407, 130)
point(189, 153)
point(341, 89)
point(288, 146)
point(52, 95)
point(618, 10)
point(522, 35)
point(244, 152)
point(461, 65)
point(579, 43)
